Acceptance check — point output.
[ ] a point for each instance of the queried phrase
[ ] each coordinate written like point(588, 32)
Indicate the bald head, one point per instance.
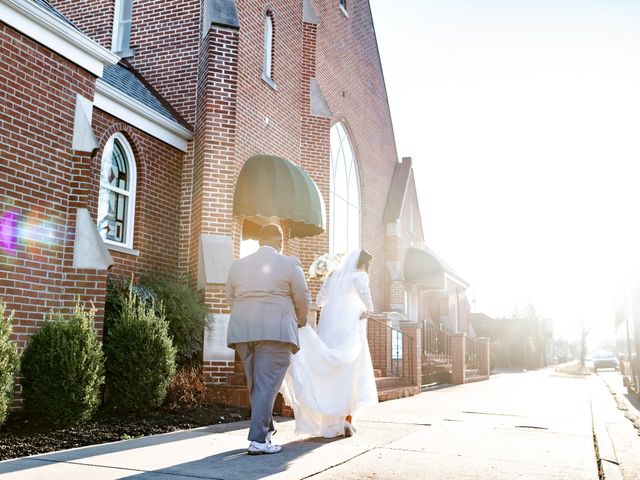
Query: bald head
point(271, 235)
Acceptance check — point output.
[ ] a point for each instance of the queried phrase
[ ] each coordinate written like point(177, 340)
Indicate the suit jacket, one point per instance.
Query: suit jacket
point(269, 298)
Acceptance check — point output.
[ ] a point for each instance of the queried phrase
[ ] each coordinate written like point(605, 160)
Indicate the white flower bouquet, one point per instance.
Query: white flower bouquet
point(324, 265)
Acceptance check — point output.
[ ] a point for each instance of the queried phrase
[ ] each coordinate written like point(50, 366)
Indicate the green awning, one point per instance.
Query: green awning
point(424, 269)
point(270, 186)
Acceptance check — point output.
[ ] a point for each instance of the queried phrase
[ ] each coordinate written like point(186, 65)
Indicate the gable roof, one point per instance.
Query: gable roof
point(450, 271)
point(125, 79)
point(45, 5)
point(397, 190)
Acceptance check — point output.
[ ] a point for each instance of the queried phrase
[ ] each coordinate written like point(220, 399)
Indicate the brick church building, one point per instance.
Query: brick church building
point(157, 135)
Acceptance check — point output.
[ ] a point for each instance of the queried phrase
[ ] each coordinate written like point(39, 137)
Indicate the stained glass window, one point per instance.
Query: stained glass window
point(344, 231)
point(117, 192)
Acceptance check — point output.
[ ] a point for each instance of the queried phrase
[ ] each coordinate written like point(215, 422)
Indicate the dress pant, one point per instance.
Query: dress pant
point(265, 364)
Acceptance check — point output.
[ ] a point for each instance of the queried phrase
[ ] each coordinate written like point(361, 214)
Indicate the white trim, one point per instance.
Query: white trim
point(135, 113)
point(116, 247)
point(57, 35)
point(114, 25)
point(267, 52)
point(269, 81)
point(130, 194)
point(455, 279)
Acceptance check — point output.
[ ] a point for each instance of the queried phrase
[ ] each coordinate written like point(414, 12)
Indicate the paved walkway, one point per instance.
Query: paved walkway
point(530, 425)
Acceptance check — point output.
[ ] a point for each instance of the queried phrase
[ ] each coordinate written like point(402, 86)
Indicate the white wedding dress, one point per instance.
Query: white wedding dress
point(331, 376)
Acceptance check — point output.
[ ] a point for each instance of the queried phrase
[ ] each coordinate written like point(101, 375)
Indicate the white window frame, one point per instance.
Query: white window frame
point(131, 193)
point(267, 52)
point(344, 142)
point(123, 50)
point(343, 7)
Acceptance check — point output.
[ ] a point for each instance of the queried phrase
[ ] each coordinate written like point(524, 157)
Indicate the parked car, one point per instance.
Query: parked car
point(605, 360)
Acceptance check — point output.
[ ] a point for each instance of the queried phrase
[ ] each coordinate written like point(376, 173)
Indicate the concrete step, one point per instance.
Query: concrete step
point(383, 383)
point(397, 392)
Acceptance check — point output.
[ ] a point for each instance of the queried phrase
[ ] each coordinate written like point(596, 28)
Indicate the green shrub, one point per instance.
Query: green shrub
point(140, 359)
point(184, 310)
point(9, 361)
point(118, 288)
point(63, 368)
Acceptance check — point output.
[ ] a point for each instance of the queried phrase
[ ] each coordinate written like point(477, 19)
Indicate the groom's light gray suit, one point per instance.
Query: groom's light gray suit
point(269, 300)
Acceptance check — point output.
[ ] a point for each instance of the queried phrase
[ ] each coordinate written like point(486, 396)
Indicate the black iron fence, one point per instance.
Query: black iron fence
point(472, 354)
point(392, 350)
point(436, 345)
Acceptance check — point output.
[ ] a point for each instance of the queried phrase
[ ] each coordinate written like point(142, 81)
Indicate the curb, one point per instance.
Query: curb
point(608, 465)
point(626, 406)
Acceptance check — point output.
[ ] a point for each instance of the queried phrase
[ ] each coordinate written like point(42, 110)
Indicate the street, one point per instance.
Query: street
point(526, 425)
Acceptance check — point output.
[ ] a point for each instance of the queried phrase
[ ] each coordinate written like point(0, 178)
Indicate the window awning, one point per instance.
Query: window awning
point(270, 186)
point(424, 268)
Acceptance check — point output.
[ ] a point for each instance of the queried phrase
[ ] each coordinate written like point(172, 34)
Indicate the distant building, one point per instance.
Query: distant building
point(517, 342)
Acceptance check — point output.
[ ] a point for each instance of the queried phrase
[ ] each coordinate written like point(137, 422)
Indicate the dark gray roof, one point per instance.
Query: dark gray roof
point(45, 5)
point(124, 79)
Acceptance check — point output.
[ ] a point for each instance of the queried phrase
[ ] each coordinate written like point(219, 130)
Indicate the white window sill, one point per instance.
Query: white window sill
point(344, 11)
point(122, 249)
point(269, 81)
point(128, 53)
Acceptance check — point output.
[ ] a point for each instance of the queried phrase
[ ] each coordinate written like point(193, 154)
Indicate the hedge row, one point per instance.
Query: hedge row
point(64, 367)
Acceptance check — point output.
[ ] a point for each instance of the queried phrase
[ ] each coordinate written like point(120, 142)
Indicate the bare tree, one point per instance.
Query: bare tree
point(585, 329)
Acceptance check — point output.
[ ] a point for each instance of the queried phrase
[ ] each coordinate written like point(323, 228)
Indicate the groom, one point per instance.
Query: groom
point(269, 300)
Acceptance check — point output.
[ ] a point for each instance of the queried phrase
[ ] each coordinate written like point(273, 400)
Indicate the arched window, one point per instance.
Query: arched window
point(344, 193)
point(122, 27)
point(116, 205)
point(267, 61)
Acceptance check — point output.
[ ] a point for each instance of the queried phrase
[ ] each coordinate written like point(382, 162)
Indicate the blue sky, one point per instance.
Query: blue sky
point(522, 118)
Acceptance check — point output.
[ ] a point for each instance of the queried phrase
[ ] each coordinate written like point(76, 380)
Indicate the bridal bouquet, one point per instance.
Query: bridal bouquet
point(324, 265)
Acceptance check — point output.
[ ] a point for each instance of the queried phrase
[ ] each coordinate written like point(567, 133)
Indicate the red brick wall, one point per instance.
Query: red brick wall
point(164, 37)
point(40, 186)
point(350, 75)
point(94, 18)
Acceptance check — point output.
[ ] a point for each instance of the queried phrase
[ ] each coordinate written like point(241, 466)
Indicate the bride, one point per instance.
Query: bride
point(331, 377)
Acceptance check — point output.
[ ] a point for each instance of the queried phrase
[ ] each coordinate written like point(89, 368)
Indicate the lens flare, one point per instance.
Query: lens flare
point(9, 231)
point(32, 232)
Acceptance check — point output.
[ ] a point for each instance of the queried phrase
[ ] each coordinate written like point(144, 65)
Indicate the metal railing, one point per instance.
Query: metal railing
point(436, 345)
point(392, 351)
point(472, 354)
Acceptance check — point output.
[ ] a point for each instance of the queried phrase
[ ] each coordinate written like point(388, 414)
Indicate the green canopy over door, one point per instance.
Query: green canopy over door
point(424, 269)
point(270, 186)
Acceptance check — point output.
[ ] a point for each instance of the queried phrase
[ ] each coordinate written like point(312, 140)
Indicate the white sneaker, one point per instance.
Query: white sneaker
point(266, 448)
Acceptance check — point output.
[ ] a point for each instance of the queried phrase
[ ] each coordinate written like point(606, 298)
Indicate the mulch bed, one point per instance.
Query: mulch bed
point(21, 435)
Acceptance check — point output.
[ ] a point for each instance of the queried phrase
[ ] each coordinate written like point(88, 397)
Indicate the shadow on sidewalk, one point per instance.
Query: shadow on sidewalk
point(237, 465)
point(80, 454)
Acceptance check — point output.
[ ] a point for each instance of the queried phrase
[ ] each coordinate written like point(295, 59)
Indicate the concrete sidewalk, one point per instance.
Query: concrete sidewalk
point(532, 425)
point(618, 432)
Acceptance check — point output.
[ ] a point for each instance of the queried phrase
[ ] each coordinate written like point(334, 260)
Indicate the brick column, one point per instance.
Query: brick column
point(379, 337)
point(414, 330)
point(484, 353)
point(215, 170)
point(458, 351)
